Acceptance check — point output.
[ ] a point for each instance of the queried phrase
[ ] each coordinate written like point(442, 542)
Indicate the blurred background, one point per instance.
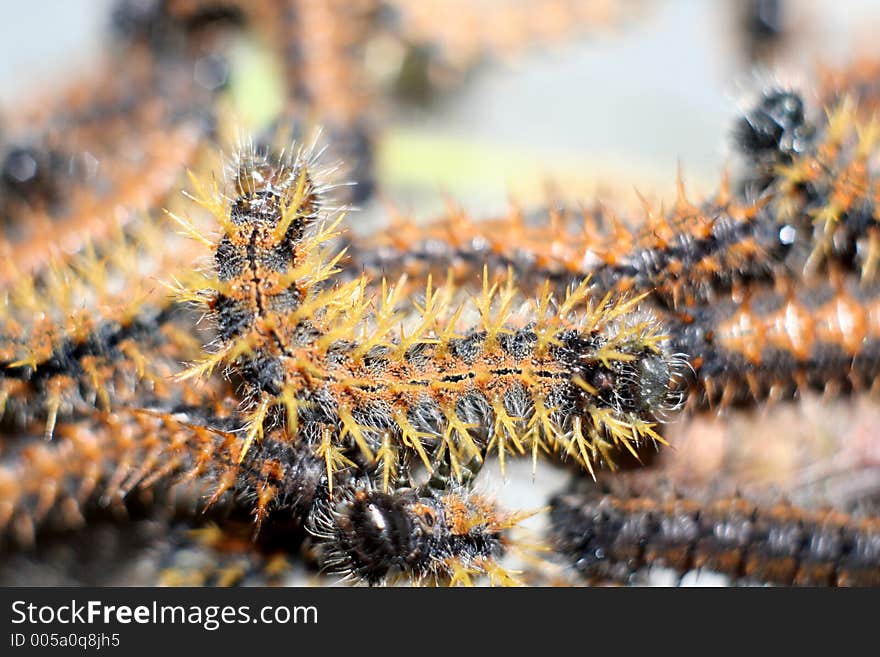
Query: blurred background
point(619, 106)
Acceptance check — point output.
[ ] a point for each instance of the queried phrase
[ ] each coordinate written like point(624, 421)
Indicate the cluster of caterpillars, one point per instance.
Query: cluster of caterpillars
point(769, 288)
point(331, 375)
point(768, 285)
point(346, 401)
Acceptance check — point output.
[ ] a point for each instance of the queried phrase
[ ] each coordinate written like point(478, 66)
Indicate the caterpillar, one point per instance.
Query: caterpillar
point(61, 479)
point(90, 468)
point(66, 181)
point(157, 550)
point(95, 333)
point(574, 376)
point(445, 537)
point(804, 194)
point(364, 534)
point(610, 534)
point(690, 254)
point(773, 341)
point(442, 533)
point(816, 178)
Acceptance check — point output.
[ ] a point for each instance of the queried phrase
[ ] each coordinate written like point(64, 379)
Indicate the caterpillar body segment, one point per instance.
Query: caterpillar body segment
point(772, 342)
point(691, 253)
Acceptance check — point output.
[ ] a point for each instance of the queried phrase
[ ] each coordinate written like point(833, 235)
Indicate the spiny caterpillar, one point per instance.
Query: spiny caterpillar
point(712, 267)
point(92, 465)
point(689, 254)
point(446, 534)
point(817, 179)
point(449, 536)
point(442, 533)
point(804, 194)
point(96, 333)
point(610, 534)
point(775, 341)
point(90, 368)
point(330, 363)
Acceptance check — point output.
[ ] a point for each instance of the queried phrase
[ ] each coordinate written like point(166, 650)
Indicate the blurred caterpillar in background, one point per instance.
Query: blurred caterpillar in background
point(612, 531)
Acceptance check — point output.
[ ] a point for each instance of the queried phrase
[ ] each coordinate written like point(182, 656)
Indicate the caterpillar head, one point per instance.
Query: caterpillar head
point(626, 366)
point(422, 535)
point(775, 123)
point(267, 187)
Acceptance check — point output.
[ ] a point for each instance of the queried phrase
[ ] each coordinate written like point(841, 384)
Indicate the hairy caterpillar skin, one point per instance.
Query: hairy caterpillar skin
point(90, 467)
point(806, 194)
point(690, 254)
point(612, 534)
point(362, 533)
point(763, 340)
point(771, 342)
point(94, 334)
point(283, 484)
point(103, 458)
point(581, 378)
point(339, 395)
point(33, 230)
point(109, 551)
